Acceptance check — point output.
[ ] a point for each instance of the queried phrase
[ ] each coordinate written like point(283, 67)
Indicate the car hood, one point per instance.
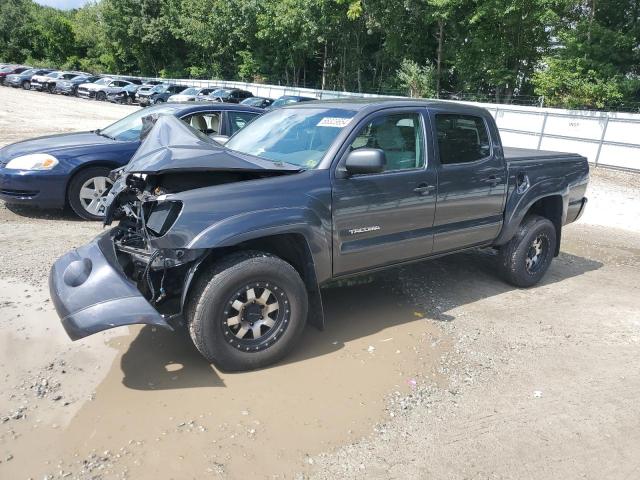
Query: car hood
point(53, 144)
point(91, 86)
point(178, 97)
point(171, 145)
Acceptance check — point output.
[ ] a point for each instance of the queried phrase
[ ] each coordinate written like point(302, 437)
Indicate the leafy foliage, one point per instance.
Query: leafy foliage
point(574, 53)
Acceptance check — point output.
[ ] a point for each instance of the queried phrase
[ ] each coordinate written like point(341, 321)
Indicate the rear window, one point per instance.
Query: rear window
point(461, 138)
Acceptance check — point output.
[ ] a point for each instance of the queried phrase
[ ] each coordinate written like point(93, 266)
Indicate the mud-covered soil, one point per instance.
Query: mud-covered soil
point(436, 370)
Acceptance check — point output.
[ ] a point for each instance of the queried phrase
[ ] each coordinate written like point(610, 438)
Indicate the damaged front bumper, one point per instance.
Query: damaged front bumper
point(91, 292)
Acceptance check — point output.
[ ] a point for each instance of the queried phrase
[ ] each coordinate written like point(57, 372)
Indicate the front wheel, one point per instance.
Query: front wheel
point(51, 88)
point(87, 192)
point(248, 311)
point(101, 96)
point(527, 256)
point(26, 85)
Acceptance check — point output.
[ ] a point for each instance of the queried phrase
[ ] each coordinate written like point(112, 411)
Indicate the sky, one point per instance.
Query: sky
point(64, 4)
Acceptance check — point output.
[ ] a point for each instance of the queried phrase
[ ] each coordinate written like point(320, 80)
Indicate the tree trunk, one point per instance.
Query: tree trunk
point(324, 65)
point(441, 24)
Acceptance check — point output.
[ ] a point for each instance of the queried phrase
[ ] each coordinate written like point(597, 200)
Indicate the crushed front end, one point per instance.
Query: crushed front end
point(139, 271)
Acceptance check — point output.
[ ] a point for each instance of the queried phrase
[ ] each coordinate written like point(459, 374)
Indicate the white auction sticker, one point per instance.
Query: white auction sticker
point(334, 122)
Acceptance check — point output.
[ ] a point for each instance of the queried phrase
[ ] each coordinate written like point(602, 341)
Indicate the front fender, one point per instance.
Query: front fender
point(265, 223)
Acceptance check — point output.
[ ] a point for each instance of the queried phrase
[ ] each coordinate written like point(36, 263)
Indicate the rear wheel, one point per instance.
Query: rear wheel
point(527, 256)
point(248, 311)
point(26, 85)
point(87, 192)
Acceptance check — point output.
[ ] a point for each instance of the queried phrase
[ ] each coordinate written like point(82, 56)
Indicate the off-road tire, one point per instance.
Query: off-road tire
point(210, 296)
point(73, 191)
point(513, 256)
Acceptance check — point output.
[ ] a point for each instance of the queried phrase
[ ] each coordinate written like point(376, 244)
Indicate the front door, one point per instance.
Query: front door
point(385, 218)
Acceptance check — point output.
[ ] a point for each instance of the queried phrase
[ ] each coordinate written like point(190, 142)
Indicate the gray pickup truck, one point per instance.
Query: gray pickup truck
point(236, 240)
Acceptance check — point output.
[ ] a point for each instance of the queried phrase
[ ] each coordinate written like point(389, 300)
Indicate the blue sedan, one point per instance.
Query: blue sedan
point(72, 169)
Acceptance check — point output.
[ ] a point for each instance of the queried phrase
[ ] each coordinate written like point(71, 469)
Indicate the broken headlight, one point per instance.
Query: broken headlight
point(161, 216)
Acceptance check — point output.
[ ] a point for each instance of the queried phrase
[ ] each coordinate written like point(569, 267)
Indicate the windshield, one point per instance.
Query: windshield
point(31, 71)
point(103, 81)
point(300, 136)
point(128, 128)
point(222, 92)
point(191, 91)
point(253, 101)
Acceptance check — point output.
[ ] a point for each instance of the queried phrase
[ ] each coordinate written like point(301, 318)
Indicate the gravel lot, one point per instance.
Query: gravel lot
point(438, 370)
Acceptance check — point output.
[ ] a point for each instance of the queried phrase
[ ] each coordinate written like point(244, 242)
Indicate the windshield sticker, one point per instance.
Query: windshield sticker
point(335, 122)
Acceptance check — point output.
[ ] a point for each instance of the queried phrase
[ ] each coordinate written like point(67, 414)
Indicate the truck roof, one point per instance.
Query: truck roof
point(358, 104)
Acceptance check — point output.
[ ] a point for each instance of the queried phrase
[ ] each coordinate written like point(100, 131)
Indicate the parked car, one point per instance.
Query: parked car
point(229, 95)
point(48, 81)
point(148, 85)
point(157, 94)
point(288, 100)
point(72, 168)
point(260, 102)
point(239, 247)
point(23, 79)
point(101, 88)
point(126, 94)
point(70, 86)
point(191, 94)
point(11, 70)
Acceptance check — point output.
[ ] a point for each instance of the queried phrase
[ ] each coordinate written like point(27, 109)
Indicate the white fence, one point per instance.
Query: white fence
point(608, 139)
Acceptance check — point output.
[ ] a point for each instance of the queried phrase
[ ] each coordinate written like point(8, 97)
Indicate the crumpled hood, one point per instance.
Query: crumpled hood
point(171, 145)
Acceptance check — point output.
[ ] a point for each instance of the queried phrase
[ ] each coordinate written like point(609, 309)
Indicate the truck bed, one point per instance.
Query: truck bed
point(514, 154)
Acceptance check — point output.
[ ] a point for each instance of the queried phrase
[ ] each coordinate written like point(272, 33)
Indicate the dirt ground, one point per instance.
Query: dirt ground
point(436, 370)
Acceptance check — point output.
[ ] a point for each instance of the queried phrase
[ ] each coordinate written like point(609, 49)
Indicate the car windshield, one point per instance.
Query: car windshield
point(159, 88)
point(281, 102)
point(300, 136)
point(54, 74)
point(31, 71)
point(222, 92)
point(252, 101)
point(191, 91)
point(128, 128)
point(103, 81)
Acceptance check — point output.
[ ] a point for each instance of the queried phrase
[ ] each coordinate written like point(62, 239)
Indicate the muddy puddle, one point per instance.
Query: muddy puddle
point(145, 405)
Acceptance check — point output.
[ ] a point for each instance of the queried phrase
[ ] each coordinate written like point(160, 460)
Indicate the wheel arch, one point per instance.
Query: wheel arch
point(552, 204)
point(291, 247)
point(550, 207)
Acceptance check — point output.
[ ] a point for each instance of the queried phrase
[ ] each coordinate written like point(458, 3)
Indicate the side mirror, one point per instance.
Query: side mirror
point(365, 160)
point(221, 139)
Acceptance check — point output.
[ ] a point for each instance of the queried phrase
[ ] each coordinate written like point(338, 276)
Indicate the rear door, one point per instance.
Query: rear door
point(471, 181)
point(385, 218)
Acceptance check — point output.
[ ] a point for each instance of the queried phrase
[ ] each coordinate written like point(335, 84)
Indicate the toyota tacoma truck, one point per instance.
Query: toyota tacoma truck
point(235, 238)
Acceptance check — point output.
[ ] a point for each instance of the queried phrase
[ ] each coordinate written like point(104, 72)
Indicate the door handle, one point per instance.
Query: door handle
point(493, 180)
point(424, 189)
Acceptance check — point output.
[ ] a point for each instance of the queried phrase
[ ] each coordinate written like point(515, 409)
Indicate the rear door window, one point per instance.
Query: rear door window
point(461, 138)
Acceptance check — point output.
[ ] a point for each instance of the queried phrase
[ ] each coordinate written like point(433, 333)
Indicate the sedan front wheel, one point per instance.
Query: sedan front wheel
point(88, 191)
